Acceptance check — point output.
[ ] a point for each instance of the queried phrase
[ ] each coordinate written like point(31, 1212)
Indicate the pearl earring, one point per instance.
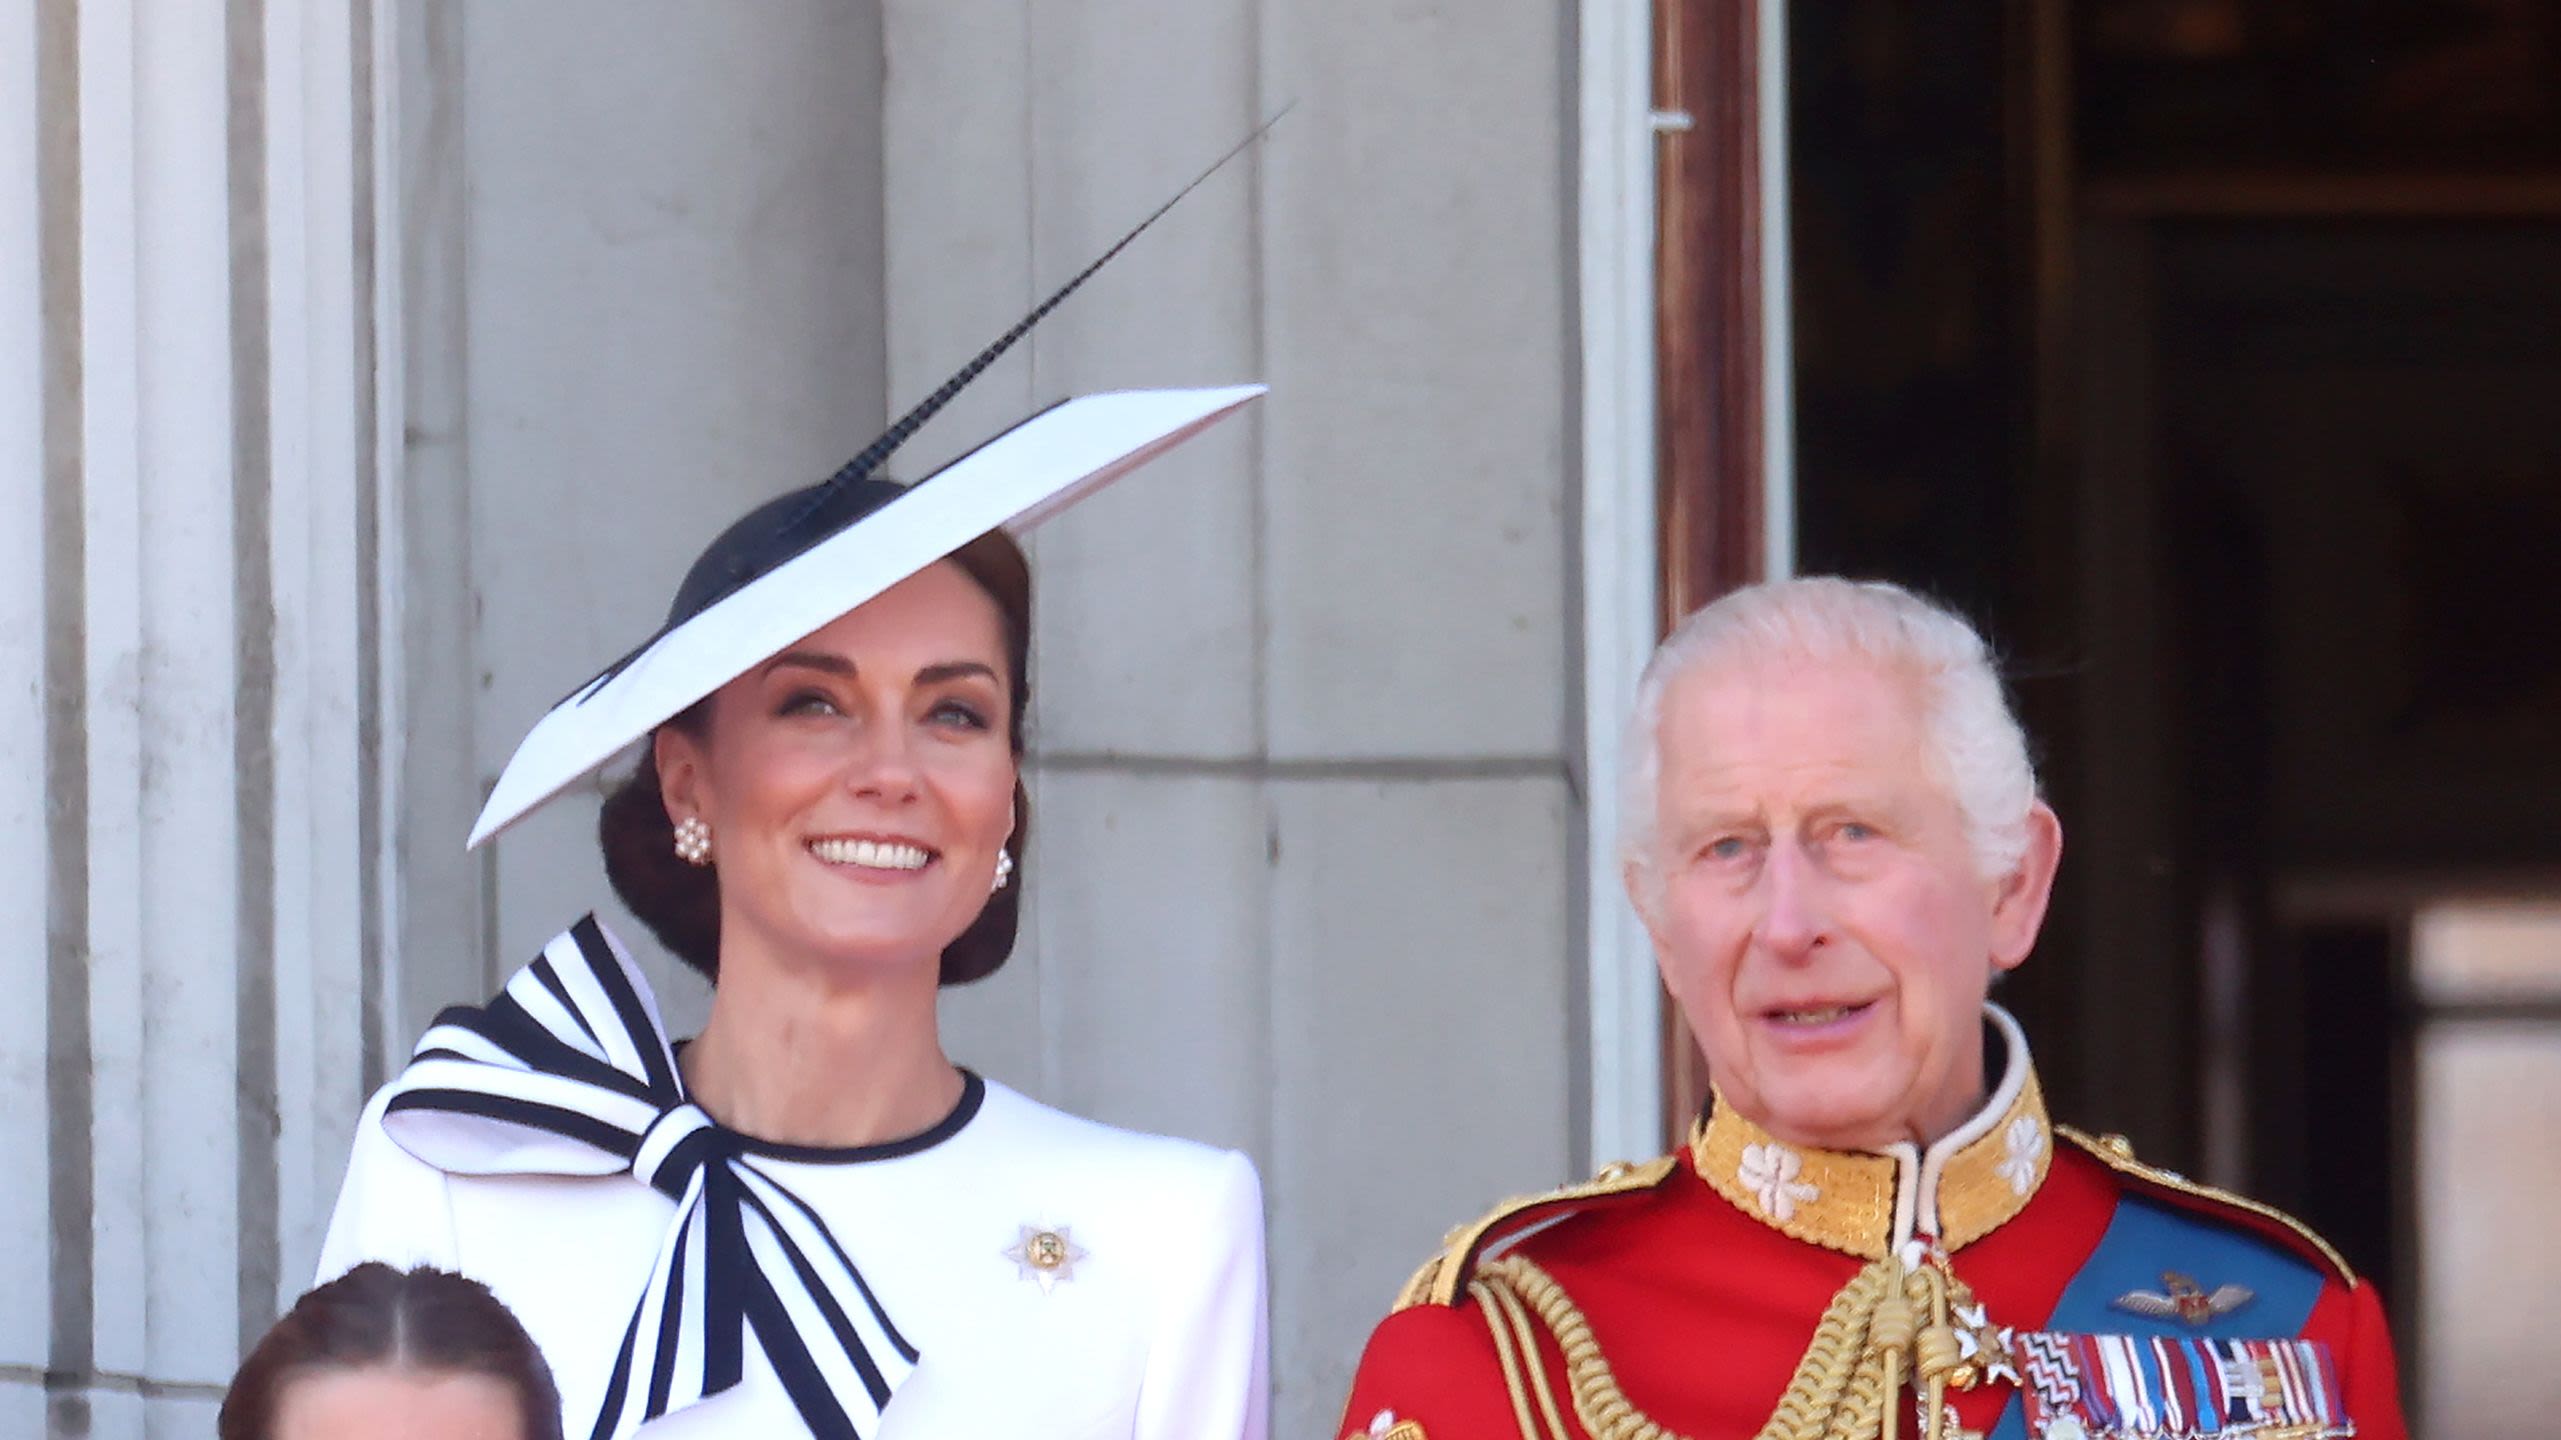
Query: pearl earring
point(693, 841)
point(1004, 870)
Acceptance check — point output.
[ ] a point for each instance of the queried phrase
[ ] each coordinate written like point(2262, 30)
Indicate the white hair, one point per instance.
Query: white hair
point(1975, 744)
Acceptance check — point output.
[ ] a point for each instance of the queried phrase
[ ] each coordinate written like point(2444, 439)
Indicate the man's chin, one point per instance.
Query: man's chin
point(1836, 1122)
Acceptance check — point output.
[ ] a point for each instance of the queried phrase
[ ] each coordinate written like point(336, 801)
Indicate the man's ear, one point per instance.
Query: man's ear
point(1645, 893)
point(681, 783)
point(2019, 898)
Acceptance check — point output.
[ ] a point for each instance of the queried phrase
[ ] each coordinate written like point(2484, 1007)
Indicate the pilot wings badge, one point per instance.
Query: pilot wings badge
point(2187, 1300)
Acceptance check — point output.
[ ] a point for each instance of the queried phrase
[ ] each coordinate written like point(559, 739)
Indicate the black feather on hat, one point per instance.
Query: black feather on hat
point(798, 561)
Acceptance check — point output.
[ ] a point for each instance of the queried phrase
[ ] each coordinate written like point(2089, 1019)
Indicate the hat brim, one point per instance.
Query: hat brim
point(1023, 476)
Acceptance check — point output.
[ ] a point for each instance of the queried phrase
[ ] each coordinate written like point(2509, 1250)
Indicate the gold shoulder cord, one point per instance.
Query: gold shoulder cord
point(1524, 1374)
point(1869, 1339)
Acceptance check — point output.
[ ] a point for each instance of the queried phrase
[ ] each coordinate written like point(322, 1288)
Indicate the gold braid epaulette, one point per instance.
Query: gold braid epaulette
point(1443, 1278)
point(2117, 1154)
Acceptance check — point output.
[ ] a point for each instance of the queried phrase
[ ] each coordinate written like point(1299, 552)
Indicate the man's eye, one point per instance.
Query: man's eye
point(1853, 830)
point(1727, 847)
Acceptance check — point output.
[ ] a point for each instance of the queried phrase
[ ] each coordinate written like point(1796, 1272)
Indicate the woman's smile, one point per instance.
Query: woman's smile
point(872, 857)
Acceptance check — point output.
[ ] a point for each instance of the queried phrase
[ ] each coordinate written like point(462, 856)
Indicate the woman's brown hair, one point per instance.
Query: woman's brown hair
point(417, 1321)
point(680, 902)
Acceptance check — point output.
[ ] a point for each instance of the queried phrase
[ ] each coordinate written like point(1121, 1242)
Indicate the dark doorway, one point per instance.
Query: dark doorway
point(2209, 353)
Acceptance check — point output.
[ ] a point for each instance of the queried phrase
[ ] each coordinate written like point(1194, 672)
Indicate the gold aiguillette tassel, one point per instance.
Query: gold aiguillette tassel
point(1937, 1354)
point(1889, 1336)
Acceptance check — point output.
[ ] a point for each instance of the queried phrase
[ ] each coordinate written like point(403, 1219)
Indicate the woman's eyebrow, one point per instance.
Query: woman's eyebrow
point(953, 670)
point(810, 660)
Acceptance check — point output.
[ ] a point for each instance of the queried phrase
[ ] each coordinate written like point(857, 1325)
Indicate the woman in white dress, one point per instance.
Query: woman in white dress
point(808, 1219)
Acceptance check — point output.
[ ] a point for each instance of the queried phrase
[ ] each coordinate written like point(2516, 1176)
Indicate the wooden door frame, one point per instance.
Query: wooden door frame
point(1719, 86)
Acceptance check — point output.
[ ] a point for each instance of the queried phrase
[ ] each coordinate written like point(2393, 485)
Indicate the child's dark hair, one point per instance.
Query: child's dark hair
point(421, 1321)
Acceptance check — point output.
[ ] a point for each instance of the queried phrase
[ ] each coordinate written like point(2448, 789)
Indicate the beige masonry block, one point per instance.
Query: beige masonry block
point(1420, 1005)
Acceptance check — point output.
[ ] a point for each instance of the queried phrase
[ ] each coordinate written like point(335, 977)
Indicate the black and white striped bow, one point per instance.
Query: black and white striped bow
point(568, 1072)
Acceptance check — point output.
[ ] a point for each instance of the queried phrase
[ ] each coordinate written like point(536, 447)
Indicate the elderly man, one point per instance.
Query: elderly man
point(1836, 843)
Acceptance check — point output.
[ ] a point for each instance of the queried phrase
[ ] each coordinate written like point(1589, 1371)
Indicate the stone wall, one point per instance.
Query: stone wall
point(376, 369)
point(1307, 865)
point(191, 327)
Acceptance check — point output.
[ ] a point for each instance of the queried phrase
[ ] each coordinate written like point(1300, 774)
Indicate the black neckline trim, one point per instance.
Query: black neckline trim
point(973, 1094)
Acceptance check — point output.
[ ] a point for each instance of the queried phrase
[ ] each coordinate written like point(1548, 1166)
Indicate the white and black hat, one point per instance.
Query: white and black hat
point(797, 562)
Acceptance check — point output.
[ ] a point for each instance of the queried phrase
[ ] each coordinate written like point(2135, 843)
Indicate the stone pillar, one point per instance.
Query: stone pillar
point(190, 380)
point(644, 296)
point(1305, 871)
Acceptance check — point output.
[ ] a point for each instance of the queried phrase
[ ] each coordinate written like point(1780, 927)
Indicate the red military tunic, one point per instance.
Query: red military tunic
point(2133, 1300)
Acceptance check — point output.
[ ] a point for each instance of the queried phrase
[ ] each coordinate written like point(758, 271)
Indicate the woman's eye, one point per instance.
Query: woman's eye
point(807, 702)
point(959, 715)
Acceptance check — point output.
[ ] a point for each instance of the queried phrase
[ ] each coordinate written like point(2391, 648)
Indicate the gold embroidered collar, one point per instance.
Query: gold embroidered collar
point(1868, 1202)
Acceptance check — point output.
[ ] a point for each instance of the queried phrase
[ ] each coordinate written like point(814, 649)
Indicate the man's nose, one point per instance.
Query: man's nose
point(1794, 920)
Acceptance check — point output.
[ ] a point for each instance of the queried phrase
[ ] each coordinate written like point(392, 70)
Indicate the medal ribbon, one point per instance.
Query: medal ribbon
point(2170, 1386)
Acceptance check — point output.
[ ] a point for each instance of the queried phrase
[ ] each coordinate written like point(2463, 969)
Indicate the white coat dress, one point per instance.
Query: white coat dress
point(1053, 1277)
